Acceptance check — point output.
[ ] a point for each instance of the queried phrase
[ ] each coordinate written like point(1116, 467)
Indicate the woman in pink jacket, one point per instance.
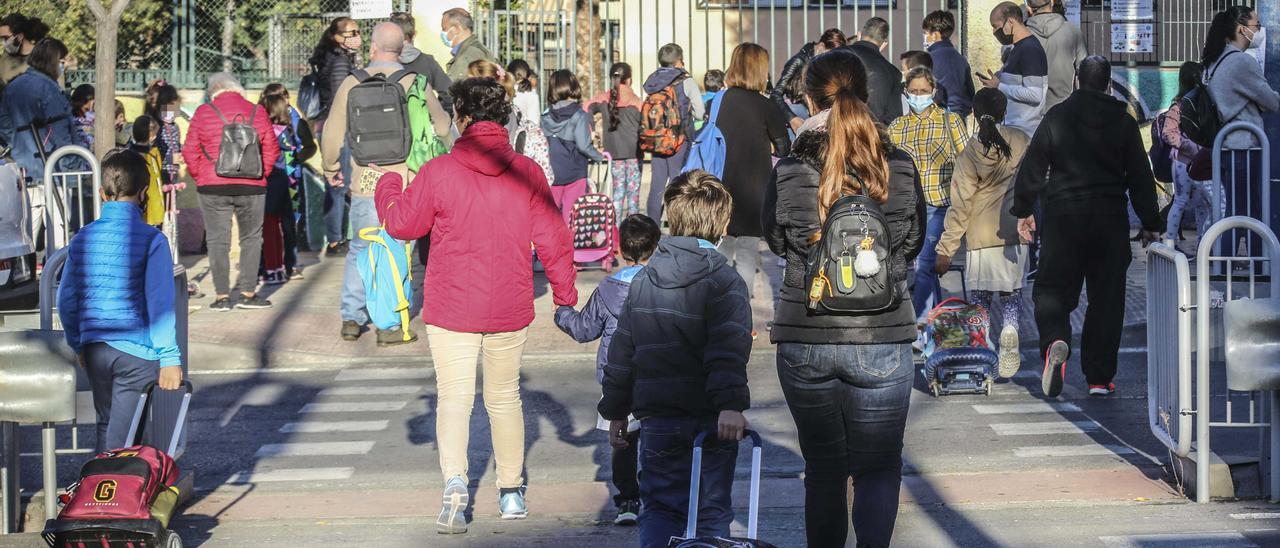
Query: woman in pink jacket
point(482, 204)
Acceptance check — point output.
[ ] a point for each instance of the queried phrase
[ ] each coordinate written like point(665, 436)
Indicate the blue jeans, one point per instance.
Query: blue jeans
point(1196, 194)
point(850, 407)
point(116, 379)
point(335, 201)
point(666, 459)
point(661, 170)
point(364, 214)
point(927, 286)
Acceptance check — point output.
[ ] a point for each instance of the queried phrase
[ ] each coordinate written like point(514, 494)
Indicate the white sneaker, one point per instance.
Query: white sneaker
point(1010, 354)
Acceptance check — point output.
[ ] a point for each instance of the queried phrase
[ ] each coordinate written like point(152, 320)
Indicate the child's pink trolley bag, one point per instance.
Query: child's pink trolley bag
point(594, 223)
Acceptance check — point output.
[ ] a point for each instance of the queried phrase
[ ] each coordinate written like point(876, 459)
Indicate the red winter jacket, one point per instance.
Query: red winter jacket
point(206, 131)
point(483, 204)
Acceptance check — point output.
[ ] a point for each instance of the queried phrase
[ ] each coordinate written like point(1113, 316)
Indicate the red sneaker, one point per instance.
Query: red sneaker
point(1102, 389)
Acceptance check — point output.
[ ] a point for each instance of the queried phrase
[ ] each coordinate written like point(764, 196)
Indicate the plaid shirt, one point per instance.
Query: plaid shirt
point(933, 138)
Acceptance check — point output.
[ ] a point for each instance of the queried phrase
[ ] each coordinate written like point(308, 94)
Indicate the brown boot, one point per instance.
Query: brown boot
point(393, 337)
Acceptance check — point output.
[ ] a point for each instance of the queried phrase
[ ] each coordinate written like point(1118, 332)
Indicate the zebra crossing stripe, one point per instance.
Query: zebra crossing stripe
point(379, 374)
point(1044, 428)
point(314, 449)
point(354, 407)
point(1224, 539)
point(292, 474)
point(1089, 450)
point(1020, 408)
point(371, 390)
point(334, 426)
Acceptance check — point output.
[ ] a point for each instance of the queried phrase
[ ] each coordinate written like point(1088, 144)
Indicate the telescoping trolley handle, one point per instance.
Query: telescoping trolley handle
point(139, 415)
point(695, 483)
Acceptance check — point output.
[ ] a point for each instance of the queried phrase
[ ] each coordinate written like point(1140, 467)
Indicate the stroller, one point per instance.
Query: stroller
point(126, 497)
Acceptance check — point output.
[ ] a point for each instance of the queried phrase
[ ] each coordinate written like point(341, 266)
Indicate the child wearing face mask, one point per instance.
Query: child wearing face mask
point(933, 137)
point(116, 300)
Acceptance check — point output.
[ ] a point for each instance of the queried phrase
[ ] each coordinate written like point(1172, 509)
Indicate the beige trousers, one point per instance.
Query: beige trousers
point(454, 355)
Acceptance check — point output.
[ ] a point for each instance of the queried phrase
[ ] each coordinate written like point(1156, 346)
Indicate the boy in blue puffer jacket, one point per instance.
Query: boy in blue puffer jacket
point(116, 301)
point(678, 362)
point(638, 237)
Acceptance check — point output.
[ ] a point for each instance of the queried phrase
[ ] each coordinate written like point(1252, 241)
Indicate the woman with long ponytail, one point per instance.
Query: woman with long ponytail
point(857, 367)
point(1232, 50)
point(981, 197)
point(619, 110)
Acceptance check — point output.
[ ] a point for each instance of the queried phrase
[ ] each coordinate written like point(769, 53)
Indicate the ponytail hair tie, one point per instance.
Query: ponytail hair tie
point(987, 117)
point(502, 74)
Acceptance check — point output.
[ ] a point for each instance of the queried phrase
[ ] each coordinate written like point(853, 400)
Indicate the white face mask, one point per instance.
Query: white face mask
point(168, 116)
point(1257, 48)
point(13, 46)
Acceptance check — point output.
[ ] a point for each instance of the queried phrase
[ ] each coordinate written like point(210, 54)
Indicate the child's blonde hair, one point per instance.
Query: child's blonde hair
point(698, 205)
point(484, 68)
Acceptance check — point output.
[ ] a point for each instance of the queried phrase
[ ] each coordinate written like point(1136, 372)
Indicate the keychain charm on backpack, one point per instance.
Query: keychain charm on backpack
point(866, 264)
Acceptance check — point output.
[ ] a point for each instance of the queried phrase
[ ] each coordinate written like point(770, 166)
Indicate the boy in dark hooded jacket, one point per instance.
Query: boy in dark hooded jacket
point(598, 320)
point(677, 362)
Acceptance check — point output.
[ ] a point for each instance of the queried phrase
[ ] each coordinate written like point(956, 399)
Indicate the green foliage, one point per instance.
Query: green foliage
point(144, 28)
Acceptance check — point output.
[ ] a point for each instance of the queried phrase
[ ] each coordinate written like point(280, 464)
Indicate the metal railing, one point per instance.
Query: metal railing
point(1247, 194)
point(1207, 329)
point(64, 211)
point(1169, 319)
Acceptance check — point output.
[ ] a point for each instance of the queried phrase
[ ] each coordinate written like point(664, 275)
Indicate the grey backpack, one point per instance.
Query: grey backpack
point(240, 151)
point(378, 129)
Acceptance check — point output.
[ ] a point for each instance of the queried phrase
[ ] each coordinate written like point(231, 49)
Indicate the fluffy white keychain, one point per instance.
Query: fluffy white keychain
point(866, 264)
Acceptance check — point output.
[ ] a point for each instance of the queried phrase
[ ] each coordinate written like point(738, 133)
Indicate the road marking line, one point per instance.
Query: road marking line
point(336, 426)
point(1071, 451)
point(1044, 428)
point(314, 449)
point(1134, 350)
point(1257, 515)
point(379, 374)
point(353, 407)
point(1225, 539)
point(370, 390)
point(1019, 408)
point(292, 474)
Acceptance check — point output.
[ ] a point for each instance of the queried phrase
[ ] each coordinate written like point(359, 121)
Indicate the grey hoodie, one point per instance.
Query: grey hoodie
point(1064, 47)
point(421, 63)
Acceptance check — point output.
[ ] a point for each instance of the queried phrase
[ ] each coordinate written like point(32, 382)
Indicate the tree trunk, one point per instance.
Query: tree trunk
point(107, 26)
point(586, 28)
point(228, 34)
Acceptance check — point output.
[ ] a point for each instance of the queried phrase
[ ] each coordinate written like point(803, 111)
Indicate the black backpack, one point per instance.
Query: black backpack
point(240, 151)
point(1200, 120)
point(836, 285)
point(378, 129)
point(309, 95)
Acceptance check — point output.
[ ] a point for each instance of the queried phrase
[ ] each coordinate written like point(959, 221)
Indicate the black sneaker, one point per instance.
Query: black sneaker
point(350, 330)
point(1055, 369)
point(253, 303)
point(336, 249)
point(222, 304)
point(628, 513)
point(392, 337)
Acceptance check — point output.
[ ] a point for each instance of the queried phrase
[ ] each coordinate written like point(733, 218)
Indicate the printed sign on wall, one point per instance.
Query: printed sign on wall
point(370, 9)
point(1132, 10)
point(1132, 38)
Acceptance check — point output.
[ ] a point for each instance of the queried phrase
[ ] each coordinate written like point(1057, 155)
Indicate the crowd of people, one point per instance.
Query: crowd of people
point(939, 161)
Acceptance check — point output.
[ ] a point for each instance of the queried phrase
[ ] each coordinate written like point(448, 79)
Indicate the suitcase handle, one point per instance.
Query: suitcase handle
point(144, 399)
point(695, 483)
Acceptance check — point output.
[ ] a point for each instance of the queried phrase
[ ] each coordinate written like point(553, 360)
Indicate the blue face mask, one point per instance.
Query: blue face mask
point(919, 103)
point(444, 38)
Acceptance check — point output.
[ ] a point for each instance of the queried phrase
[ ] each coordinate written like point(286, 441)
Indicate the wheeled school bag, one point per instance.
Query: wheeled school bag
point(239, 150)
point(594, 224)
point(690, 540)
point(850, 269)
point(378, 127)
point(125, 497)
point(386, 273)
point(959, 358)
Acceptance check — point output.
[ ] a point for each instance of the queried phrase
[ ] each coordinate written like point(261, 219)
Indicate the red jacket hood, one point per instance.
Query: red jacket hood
point(485, 148)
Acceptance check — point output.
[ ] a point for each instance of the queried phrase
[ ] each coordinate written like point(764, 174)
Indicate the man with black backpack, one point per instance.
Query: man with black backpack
point(666, 122)
point(229, 151)
point(371, 115)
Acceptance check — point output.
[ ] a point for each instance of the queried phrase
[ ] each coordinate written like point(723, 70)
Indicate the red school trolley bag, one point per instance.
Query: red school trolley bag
point(125, 497)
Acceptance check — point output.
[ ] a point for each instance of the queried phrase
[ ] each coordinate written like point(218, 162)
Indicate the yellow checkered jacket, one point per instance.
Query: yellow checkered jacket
point(933, 138)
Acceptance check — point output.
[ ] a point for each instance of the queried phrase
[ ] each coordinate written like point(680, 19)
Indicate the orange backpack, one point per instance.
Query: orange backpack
point(661, 125)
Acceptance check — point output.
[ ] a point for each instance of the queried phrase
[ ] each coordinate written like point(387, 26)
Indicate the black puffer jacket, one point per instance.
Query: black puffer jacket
point(336, 65)
point(792, 69)
point(791, 217)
